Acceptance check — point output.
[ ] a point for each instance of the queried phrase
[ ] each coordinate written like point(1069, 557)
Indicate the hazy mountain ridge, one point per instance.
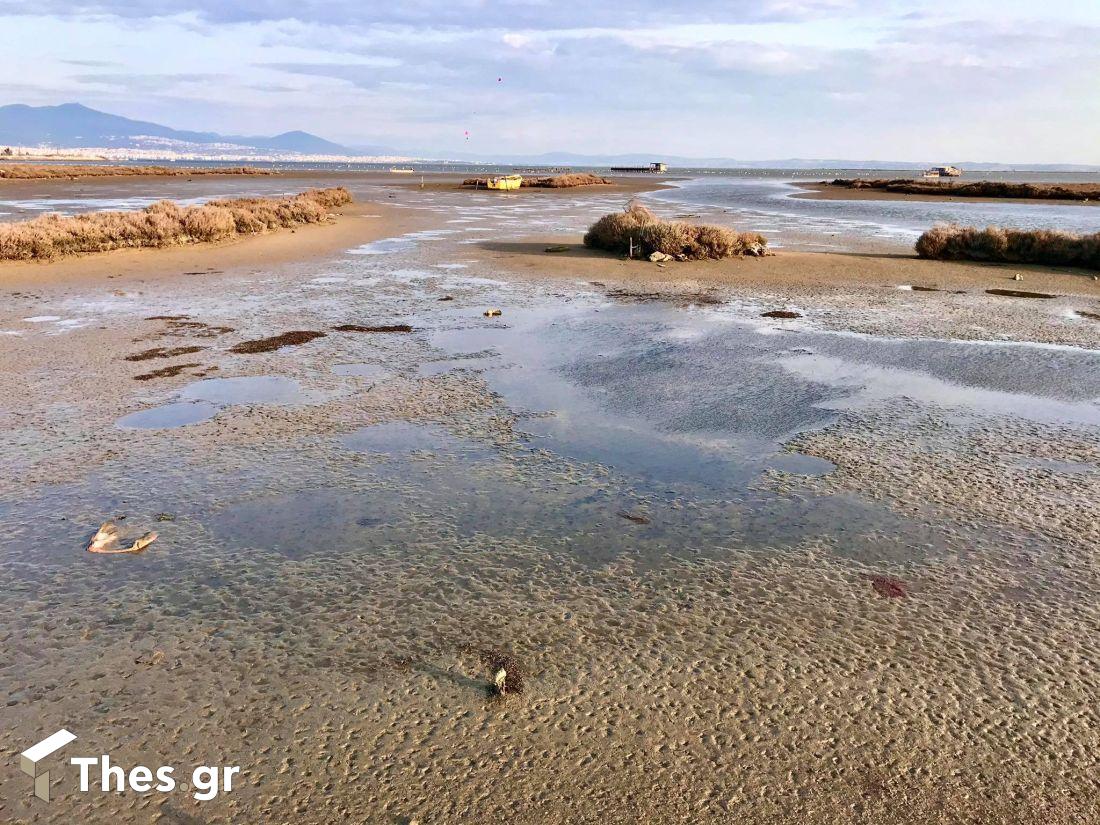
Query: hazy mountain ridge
point(72, 125)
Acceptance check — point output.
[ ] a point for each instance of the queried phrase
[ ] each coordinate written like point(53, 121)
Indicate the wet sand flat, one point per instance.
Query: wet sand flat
point(826, 569)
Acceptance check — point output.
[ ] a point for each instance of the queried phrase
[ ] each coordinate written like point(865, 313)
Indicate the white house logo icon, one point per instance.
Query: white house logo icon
point(31, 760)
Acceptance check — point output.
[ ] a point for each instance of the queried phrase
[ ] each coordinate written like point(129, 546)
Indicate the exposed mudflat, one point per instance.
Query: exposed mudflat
point(828, 569)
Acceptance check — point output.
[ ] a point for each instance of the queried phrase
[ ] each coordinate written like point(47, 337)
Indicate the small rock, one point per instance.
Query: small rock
point(659, 256)
point(1017, 277)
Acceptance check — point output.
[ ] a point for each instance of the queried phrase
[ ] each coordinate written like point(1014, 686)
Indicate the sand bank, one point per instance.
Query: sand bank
point(801, 269)
point(880, 294)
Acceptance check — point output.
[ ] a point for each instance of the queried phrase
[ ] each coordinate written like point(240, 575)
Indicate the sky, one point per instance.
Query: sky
point(942, 81)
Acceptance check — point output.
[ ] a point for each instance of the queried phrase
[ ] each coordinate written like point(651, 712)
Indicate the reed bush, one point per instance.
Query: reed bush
point(978, 189)
point(163, 224)
point(639, 229)
point(951, 242)
point(37, 171)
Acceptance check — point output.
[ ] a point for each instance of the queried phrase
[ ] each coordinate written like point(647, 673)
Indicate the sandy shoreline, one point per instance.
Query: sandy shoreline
point(826, 191)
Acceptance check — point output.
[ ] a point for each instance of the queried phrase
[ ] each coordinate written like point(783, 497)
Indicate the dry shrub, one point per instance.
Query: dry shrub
point(163, 224)
point(613, 232)
point(684, 241)
point(567, 181)
point(28, 171)
point(950, 242)
point(978, 189)
point(671, 237)
point(209, 223)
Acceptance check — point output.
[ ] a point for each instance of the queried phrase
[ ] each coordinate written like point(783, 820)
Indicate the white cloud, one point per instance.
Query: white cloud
point(820, 76)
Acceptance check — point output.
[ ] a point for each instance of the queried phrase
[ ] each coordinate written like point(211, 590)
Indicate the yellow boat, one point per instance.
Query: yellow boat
point(505, 183)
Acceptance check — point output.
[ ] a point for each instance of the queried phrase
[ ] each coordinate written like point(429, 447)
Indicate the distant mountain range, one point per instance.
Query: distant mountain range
point(72, 126)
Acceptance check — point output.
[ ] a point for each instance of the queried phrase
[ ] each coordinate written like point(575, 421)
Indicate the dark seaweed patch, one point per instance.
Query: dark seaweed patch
point(165, 372)
point(1019, 293)
point(162, 352)
point(382, 328)
point(275, 342)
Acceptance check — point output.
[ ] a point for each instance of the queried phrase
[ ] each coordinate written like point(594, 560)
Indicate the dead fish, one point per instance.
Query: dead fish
point(106, 540)
point(637, 518)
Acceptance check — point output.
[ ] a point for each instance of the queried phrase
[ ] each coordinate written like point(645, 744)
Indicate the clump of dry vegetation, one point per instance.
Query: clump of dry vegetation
point(978, 189)
point(38, 171)
point(163, 224)
point(637, 229)
point(566, 181)
point(553, 182)
point(950, 242)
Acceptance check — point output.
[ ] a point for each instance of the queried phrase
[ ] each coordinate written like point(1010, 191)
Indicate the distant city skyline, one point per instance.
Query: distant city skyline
point(966, 80)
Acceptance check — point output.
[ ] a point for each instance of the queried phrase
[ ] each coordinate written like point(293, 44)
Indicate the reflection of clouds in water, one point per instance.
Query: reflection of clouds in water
point(869, 384)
